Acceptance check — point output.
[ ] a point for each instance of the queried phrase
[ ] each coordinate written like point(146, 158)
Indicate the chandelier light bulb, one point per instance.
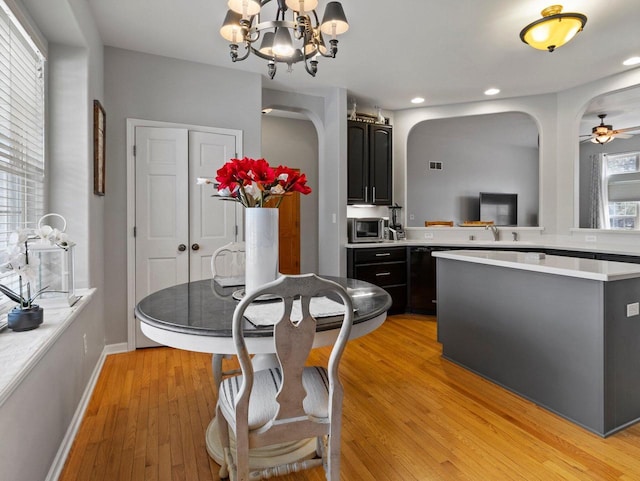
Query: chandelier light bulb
point(302, 6)
point(247, 8)
point(282, 46)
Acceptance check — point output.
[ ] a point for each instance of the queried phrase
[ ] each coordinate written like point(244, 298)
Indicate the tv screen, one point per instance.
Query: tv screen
point(500, 208)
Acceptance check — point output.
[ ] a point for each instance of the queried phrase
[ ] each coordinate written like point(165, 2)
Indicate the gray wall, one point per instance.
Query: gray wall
point(294, 143)
point(151, 87)
point(482, 153)
point(616, 146)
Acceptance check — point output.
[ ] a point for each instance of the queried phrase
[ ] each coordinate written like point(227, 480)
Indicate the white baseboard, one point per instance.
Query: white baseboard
point(116, 348)
point(76, 421)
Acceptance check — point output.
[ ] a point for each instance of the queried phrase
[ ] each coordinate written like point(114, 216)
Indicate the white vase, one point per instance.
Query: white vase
point(261, 246)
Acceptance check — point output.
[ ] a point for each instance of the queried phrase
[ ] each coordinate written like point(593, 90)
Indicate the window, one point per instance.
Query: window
point(623, 179)
point(22, 164)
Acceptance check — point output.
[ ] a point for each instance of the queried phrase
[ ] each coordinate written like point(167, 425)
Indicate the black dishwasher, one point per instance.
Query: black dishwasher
point(422, 280)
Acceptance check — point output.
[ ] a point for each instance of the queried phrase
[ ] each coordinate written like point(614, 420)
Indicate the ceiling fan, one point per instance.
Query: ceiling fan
point(601, 134)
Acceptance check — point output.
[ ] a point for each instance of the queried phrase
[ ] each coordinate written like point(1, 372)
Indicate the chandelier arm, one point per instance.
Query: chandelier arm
point(234, 53)
point(314, 67)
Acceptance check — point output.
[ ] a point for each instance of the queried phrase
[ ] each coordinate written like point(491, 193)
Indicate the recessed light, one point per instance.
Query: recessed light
point(417, 100)
point(632, 61)
point(492, 91)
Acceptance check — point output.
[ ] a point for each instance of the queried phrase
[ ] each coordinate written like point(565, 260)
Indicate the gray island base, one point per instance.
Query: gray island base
point(553, 330)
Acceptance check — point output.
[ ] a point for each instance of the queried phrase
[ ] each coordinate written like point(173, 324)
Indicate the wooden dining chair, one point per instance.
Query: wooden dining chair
point(291, 401)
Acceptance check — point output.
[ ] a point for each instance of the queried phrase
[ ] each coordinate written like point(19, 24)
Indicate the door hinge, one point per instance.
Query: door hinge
point(134, 231)
point(134, 151)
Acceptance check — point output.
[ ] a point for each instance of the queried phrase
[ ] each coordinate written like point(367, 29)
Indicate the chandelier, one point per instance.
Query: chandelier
point(554, 29)
point(243, 25)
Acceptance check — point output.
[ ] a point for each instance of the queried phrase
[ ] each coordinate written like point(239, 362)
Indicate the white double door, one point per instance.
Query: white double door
point(178, 224)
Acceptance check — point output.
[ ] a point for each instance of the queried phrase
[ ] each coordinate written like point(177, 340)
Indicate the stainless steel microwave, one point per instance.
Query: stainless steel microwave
point(365, 229)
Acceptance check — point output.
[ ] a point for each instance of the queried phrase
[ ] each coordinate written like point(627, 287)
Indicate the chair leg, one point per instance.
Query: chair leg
point(242, 458)
point(223, 428)
point(333, 458)
point(216, 366)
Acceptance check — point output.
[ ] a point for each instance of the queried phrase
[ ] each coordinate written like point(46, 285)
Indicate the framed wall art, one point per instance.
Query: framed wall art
point(99, 128)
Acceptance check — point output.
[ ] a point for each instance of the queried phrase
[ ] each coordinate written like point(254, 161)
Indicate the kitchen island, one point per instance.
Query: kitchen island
point(560, 331)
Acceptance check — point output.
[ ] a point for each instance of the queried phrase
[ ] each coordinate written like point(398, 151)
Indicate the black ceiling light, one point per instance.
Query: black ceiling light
point(243, 25)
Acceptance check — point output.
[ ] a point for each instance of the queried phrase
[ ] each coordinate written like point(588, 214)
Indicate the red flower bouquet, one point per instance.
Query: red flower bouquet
point(253, 183)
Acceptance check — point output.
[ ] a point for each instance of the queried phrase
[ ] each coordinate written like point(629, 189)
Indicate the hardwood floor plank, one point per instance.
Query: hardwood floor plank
point(408, 415)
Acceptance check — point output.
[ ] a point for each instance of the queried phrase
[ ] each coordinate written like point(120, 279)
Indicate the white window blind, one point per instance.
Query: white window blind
point(22, 167)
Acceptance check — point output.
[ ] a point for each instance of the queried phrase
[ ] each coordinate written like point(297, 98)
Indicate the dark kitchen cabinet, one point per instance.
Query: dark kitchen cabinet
point(383, 266)
point(370, 148)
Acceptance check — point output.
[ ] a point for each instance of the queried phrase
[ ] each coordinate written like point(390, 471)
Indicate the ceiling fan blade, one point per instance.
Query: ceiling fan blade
point(628, 129)
point(622, 135)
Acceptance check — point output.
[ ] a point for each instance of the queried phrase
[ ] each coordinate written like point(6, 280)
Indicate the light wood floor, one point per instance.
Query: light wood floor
point(408, 415)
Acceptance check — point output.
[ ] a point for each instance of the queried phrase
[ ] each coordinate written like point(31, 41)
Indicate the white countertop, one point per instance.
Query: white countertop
point(559, 265)
point(543, 243)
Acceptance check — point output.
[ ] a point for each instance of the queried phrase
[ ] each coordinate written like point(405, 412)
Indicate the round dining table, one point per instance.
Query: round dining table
point(197, 316)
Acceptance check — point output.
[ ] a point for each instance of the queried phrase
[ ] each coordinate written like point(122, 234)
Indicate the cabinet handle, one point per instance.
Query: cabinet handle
point(382, 274)
point(195, 247)
point(366, 192)
point(373, 189)
point(182, 247)
point(383, 254)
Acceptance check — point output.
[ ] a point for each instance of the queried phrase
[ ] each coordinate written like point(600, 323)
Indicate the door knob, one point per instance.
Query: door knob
point(182, 247)
point(195, 247)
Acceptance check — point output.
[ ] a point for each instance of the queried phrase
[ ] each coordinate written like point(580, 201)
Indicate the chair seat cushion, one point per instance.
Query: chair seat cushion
point(263, 405)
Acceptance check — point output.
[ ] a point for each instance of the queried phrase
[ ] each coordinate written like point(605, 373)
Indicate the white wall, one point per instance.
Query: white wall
point(571, 106)
point(541, 108)
point(326, 108)
point(151, 87)
point(484, 153)
point(294, 143)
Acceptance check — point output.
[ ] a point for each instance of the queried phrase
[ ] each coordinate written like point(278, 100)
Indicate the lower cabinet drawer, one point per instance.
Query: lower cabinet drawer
point(383, 274)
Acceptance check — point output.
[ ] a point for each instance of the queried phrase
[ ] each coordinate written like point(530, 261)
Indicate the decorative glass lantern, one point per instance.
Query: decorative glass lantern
point(55, 274)
point(53, 253)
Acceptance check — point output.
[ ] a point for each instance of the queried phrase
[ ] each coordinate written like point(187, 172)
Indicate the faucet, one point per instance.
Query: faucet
point(494, 231)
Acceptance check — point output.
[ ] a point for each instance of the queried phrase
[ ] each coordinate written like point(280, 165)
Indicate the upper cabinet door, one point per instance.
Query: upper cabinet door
point(358, 163)
point(369, 164)
point(380, 164)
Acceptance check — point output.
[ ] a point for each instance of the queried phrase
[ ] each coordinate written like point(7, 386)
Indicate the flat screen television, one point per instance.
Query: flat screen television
point(500, 208)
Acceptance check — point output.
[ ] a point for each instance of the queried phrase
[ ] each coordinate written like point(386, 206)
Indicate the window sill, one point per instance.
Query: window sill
point(21, 351)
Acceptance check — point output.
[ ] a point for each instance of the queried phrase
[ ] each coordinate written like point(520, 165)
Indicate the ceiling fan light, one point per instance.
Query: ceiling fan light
point(554, 29)
point(334, 21)
point(602, 139)
point(231, 30)
point(246, 8)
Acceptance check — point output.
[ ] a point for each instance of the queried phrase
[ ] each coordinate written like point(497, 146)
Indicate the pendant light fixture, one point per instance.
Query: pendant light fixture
point(289, 38)
point(554, 29)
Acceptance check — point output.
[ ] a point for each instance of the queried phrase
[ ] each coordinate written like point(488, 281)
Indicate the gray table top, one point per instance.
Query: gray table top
point(204, 308)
